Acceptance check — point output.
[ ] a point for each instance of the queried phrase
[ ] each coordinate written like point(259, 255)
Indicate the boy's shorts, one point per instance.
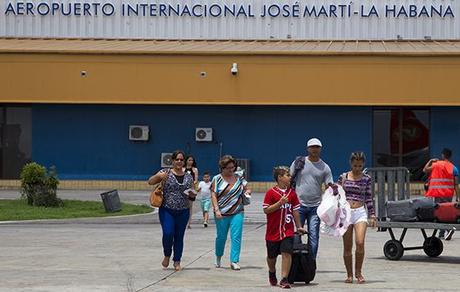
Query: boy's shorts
point(205, 205)
point(275, 248)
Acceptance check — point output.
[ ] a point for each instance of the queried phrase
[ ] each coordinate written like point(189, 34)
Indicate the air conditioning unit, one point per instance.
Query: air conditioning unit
point(138, 133)
point(166, 160)
point(203, 134)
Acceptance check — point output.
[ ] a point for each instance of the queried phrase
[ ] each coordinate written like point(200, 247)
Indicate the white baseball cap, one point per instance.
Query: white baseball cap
point(314, 142)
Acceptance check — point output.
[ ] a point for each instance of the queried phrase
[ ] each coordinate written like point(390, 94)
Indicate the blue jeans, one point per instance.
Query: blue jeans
point(173, 224)
point(233, 223)
point(313, 222)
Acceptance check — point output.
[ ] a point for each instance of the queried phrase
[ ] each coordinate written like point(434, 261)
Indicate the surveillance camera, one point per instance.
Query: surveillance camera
point(234, 69)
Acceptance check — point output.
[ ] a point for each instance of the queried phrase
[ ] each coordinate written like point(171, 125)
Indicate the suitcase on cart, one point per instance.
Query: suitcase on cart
point(447, 212)
point(406, 210)
point(426, 213)
point(303, 266)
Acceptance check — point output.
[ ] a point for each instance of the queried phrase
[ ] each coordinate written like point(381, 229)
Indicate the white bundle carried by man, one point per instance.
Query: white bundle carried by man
point(334, 212)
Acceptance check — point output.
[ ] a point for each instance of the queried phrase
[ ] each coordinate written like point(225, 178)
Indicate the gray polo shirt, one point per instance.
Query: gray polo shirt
point(310, 180)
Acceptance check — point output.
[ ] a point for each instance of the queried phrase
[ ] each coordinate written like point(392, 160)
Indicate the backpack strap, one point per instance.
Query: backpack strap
point(299, 164)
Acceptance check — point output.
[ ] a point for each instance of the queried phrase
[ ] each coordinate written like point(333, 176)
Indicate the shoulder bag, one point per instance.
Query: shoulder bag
point(156, 196)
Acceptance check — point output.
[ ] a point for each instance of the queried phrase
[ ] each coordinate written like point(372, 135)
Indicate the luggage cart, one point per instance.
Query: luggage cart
point(393, 184)
point(432, 245)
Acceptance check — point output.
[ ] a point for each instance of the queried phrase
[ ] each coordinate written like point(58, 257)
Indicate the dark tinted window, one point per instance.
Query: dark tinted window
point(401, 138)
point(16, 140)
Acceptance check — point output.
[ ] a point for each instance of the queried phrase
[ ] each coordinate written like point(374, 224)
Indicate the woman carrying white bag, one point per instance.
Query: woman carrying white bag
point(334, 212)
point(357, 186)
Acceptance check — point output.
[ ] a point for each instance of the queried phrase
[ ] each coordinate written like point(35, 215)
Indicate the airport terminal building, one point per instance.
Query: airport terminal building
point(106, 90)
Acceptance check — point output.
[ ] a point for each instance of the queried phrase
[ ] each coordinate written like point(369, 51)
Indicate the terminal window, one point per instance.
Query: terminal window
point(401, 138)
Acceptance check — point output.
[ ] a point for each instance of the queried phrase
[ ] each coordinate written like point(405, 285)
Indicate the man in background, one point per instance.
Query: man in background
point(443, 182)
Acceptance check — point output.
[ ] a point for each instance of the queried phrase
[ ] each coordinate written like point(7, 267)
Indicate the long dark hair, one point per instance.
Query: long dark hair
point(194, 161)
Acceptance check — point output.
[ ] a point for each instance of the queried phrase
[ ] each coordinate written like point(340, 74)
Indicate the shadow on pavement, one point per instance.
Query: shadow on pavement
point(329, 272)
point(304, 285)
point(245, 268)
point(354, 281)
point(425, 259)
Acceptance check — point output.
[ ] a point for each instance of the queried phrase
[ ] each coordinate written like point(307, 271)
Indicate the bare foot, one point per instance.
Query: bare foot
point(360, 279)
point(177, 266)
point(165, 262)
point(349, 280)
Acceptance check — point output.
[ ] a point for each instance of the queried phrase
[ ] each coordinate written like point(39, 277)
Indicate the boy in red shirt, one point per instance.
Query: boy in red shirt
point(281, 206)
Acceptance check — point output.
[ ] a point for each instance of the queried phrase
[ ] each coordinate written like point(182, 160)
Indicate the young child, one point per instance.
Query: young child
point(204, 191)
point(281, 206)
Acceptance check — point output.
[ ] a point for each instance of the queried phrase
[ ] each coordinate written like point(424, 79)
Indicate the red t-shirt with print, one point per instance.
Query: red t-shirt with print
point(280, 223)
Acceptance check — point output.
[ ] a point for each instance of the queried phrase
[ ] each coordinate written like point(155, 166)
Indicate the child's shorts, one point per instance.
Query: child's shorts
point(205, 204)
point(358, 215)
point(275, 248)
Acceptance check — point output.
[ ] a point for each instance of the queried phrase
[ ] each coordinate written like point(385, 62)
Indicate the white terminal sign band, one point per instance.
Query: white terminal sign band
point(144, 9)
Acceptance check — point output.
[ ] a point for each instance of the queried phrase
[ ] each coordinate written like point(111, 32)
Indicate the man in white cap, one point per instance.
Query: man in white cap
point(308, 175)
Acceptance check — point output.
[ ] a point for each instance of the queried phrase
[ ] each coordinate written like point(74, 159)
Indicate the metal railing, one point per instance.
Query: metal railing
point(245, 164)
point(389, 184)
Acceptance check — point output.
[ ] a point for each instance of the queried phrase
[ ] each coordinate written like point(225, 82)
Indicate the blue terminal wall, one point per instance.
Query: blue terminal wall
point(445, 132)
point(91, 141)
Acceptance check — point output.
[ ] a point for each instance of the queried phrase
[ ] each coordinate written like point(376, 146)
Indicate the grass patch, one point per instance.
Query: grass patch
point(11, 210)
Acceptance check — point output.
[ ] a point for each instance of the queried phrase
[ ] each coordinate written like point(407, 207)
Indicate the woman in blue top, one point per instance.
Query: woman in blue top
point(174, 211)
point(227, 191)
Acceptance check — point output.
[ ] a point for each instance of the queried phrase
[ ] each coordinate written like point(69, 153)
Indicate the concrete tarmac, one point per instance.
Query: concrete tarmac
point(125, 256)
point(113, 257)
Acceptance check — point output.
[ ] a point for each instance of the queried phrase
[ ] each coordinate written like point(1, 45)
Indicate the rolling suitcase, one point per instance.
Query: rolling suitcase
point(303, 266)
point(406, 210)
point(447, 212)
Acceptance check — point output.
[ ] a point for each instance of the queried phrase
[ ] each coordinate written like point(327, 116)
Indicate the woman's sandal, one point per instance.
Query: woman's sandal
point(349, 280)
point(360, 279)
point(165, 263)
point(177, 266)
